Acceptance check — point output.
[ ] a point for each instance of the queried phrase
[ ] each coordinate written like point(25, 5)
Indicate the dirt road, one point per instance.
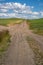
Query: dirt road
point(19, 52)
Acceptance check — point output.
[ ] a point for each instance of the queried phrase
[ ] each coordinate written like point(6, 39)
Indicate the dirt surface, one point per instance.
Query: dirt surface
point(2, 28)
point(19, 52)
point(36, 37)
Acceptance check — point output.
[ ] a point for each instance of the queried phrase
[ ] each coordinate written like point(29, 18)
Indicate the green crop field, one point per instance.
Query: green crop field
point(36, 25)
point(10, 20)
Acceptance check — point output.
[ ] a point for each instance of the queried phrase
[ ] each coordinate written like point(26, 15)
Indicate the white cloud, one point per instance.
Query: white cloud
point(27, 12)
point(15, 7)
point(3, 10)
point(12, 9)
point(41, 13)
point(3, 14)
point(19, 5)
point(35, 13)
point(11, 14)
point(34, 17)
point(8, 14)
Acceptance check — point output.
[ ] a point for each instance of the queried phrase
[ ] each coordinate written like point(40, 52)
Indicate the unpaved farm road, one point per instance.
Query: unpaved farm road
point(19, 52)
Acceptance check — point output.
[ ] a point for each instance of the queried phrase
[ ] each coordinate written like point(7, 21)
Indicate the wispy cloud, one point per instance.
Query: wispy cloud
point(41, 13)
point(35, 13)
point(12, 9)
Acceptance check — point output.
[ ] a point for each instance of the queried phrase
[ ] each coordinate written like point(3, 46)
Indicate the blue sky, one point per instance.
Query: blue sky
point(30, 9)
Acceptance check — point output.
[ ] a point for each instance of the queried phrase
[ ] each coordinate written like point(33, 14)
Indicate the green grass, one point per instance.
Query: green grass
point(36, 25)
point(9, 20)
point(38, 52)
point(4, 40)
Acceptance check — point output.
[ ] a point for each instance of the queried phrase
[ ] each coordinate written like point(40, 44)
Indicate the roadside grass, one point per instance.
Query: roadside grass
point(38, 52)
point(36, 25)
point(40, 32)
point(10, 21)
point(4, 41)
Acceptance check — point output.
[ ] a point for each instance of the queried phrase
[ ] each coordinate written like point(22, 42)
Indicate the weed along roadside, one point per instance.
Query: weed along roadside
point(4, 40)
point(38, 52)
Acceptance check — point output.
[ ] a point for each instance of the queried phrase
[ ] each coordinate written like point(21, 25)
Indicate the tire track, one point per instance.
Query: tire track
point(19, 52)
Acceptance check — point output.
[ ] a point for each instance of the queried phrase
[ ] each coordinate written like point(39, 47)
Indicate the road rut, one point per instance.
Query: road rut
point(19, 52)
